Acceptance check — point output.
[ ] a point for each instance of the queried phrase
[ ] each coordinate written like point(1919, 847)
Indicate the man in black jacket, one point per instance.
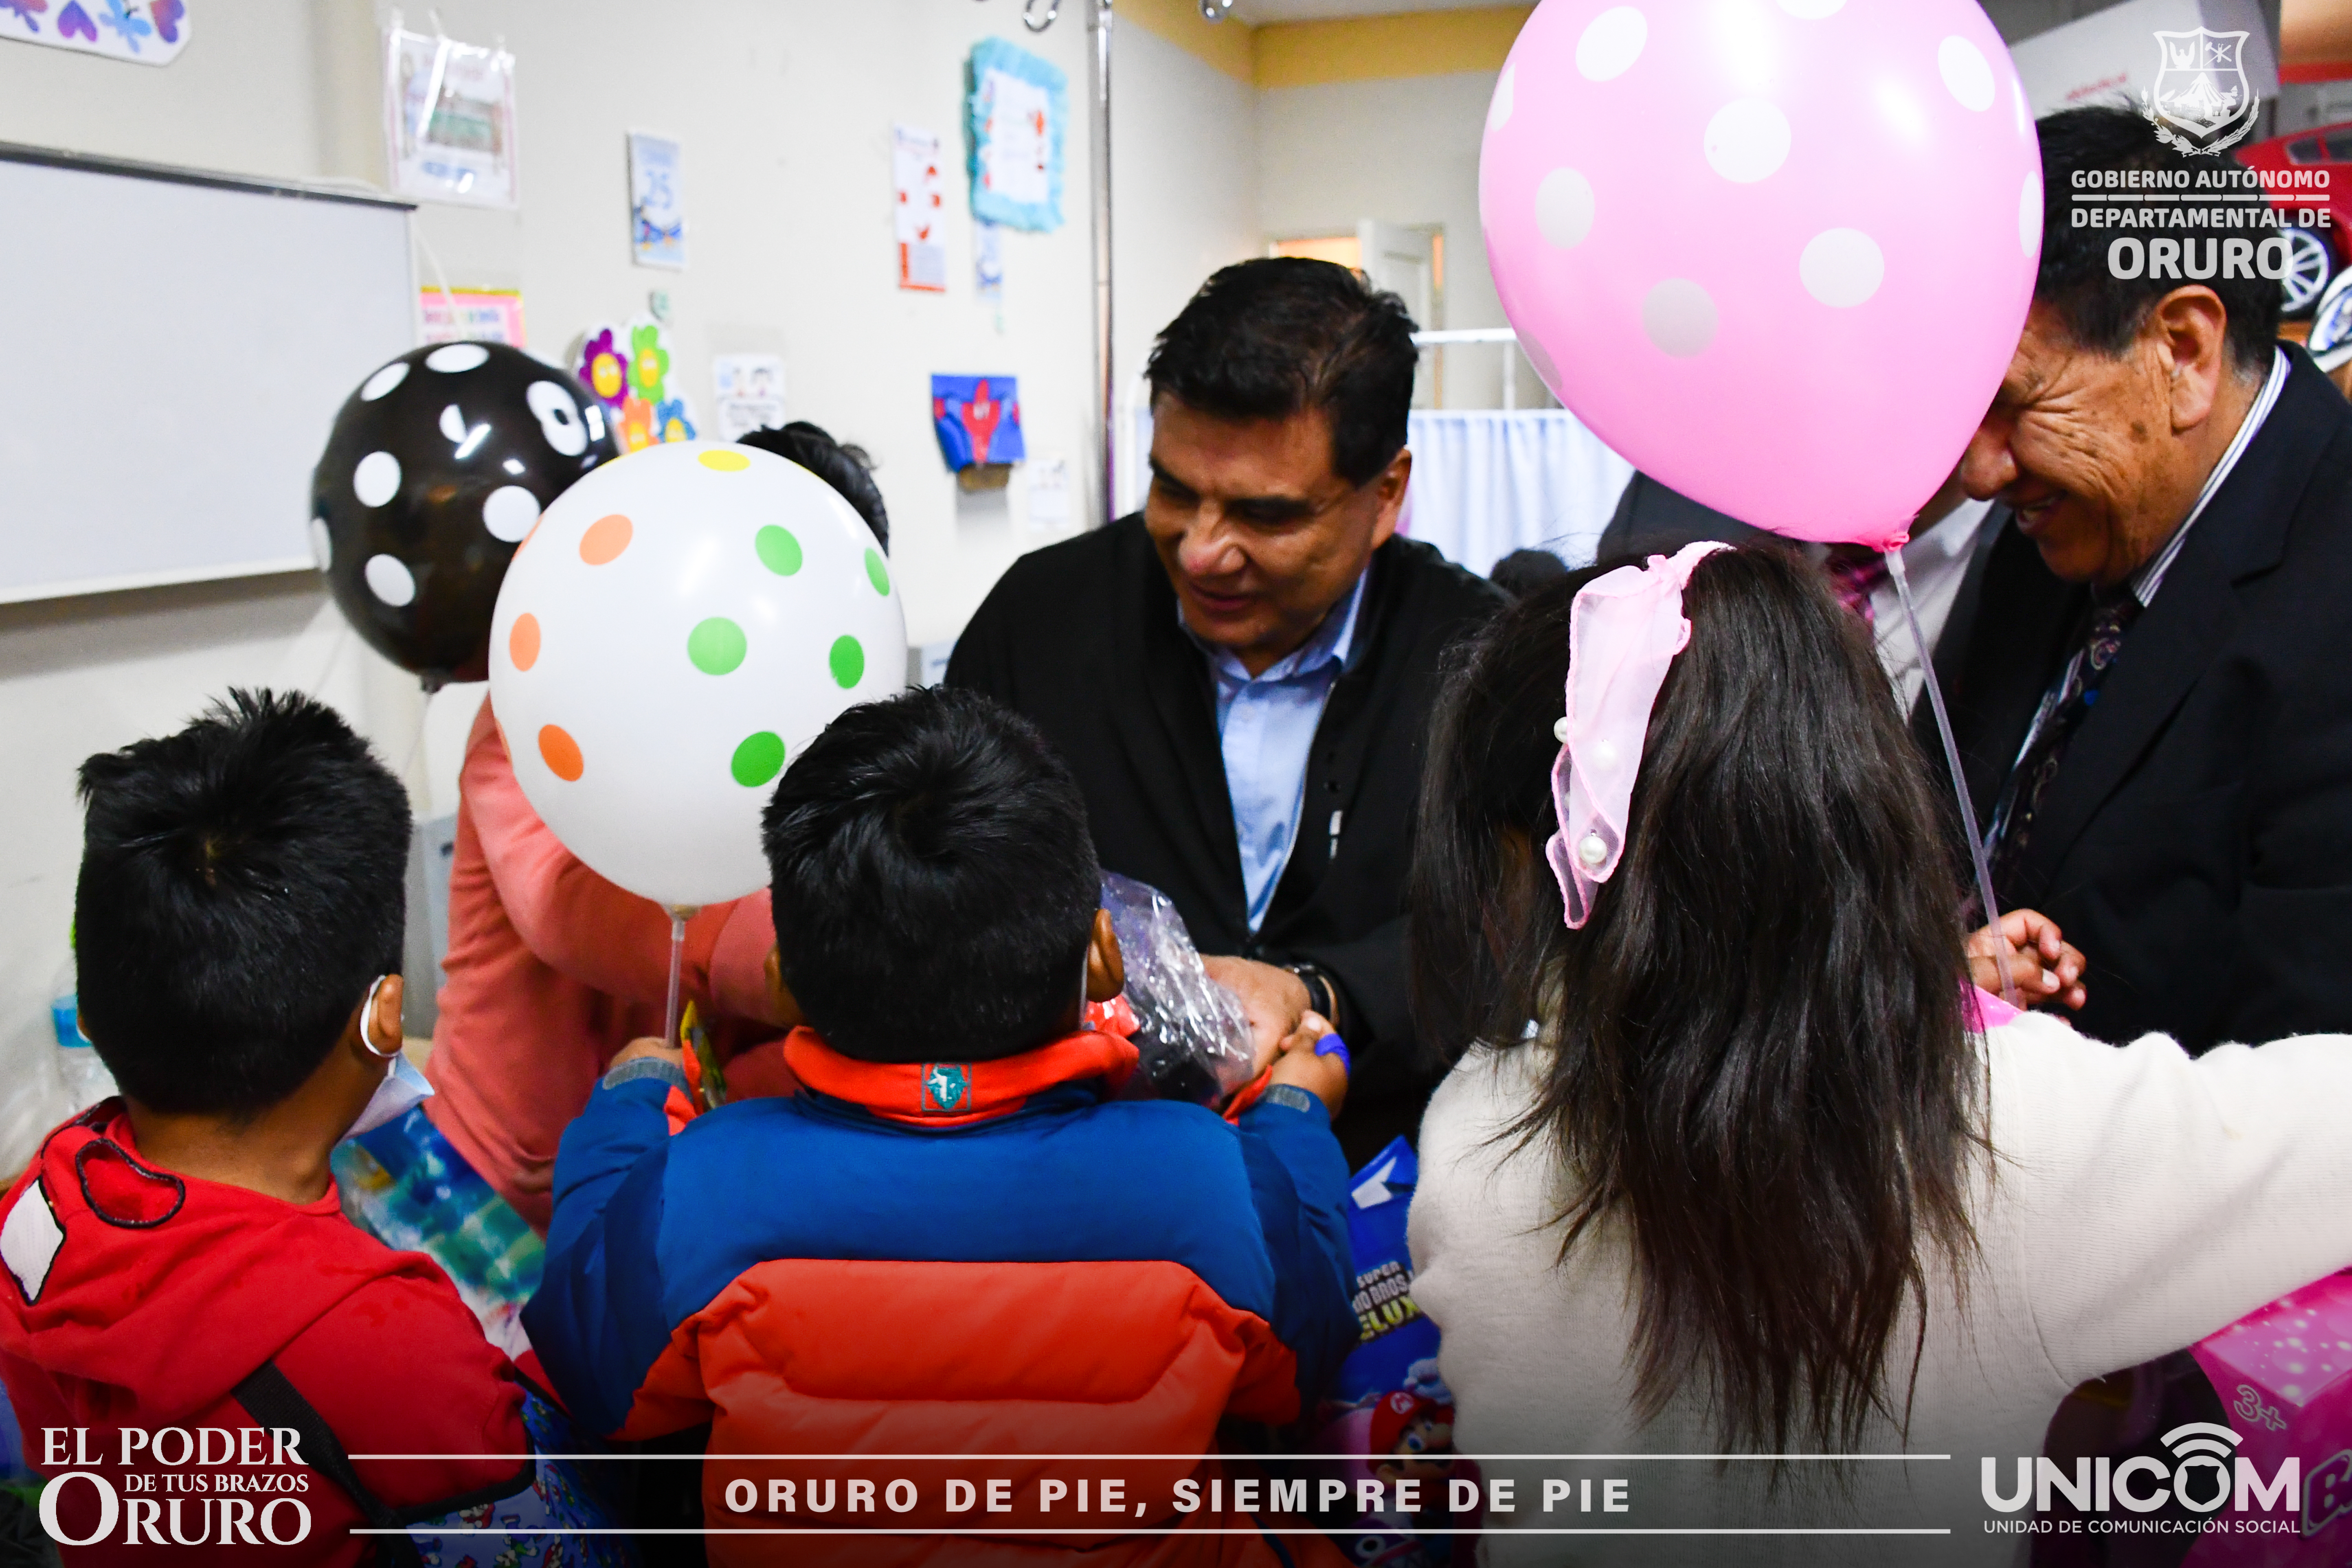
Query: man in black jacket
point(2156, 710)
point(1241, 677)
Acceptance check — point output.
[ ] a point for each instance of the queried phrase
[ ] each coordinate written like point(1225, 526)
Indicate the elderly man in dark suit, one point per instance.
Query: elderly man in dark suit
point(2155, 707)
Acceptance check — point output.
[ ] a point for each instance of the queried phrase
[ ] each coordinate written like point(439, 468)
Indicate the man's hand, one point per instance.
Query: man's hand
point(647, 1046)
point(1296, 1062)
point(1274, 1000)
point(2041, 966)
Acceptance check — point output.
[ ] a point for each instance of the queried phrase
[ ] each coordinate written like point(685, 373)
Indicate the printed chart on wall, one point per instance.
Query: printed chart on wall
point(657, 201)
point(144, 32)
point(478, 315)
point(918, 199)
point(449, 112)
point(750, 393)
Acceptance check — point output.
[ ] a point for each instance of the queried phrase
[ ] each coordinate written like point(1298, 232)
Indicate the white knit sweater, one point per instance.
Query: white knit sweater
point(2138, 1201)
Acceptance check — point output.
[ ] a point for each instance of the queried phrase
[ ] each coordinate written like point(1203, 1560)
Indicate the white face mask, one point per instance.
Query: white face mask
point(403, 1088)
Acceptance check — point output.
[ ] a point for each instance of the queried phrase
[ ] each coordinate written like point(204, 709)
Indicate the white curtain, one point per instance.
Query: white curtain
point(1486, 483)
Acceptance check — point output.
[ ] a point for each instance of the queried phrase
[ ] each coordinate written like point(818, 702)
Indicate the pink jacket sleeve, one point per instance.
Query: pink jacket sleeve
point(587, 929)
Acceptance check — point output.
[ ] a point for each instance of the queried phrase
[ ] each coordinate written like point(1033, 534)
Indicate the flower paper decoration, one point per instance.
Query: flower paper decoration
point(648, 362)
point(637, 430)
point(604, 367)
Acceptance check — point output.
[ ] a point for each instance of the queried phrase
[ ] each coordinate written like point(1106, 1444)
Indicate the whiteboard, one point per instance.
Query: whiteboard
point(178, 343)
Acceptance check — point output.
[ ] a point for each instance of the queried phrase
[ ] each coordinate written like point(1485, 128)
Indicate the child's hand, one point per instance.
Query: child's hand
point(637, 1050)
point(1323, 1075)
point(2041, 964)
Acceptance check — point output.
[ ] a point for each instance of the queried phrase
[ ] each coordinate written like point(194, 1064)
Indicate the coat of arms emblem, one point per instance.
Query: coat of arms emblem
point(2200, 101)
point(946, 1086)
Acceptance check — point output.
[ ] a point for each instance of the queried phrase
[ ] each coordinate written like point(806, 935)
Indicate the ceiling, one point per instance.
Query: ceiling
point(2016, 18)
point(1258, 12)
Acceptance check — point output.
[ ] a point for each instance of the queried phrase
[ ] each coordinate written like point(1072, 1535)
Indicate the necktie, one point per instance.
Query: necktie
point(1856, 571)
point(2065, 708)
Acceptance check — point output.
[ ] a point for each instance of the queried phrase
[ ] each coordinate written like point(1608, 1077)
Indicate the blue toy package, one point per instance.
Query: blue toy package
point(559, 1521)
point(407, 1186)
point(1390, 1417)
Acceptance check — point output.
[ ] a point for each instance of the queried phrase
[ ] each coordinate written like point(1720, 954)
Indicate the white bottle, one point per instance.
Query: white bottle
point(87, 1080)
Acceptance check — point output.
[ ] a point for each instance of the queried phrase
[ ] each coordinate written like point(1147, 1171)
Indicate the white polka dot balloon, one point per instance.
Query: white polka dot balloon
point(677, 627)
point(1775, 252)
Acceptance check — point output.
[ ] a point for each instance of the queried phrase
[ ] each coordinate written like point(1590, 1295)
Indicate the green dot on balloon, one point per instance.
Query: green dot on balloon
point(848, 661)
point(779, 551)
point(715, 646)
point(876, 573)
point(759, 759)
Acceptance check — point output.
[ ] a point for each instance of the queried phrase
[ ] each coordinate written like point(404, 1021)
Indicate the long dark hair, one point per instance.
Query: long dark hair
point(1758, 1061)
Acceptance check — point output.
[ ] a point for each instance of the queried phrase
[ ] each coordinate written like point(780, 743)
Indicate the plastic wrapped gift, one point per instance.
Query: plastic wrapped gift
point(2284, 1375)
point(1191, 1032)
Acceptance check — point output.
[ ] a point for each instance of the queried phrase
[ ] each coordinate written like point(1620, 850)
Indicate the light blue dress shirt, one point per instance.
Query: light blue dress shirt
point(1265, 727)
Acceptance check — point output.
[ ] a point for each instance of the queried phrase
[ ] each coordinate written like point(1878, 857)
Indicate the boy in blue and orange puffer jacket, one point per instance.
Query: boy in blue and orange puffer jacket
point(953, 1242)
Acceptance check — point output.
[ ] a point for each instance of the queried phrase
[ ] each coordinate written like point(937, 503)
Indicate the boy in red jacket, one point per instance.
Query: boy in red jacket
point(193, 1337)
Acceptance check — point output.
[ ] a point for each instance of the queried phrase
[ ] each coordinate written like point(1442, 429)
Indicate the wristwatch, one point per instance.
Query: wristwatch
point(1322, 992)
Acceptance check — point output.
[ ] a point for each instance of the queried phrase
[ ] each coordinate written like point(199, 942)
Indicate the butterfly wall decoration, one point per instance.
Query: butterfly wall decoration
point(144, 32)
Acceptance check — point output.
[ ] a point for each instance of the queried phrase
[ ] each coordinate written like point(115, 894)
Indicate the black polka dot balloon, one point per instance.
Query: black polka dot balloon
point(437, 467)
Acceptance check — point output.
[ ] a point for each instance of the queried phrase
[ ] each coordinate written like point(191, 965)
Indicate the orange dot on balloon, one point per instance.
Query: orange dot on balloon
point(606, 538)
point(522, 643)
point(560, 753)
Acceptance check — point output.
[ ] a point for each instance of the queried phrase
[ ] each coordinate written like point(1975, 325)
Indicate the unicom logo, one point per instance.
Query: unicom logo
point(2206, 1472)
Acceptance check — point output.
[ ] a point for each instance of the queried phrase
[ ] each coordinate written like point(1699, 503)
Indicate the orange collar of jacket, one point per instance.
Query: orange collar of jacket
point(956, 1094)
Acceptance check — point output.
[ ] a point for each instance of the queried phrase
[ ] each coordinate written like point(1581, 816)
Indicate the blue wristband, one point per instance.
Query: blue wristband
point(1332, 1045)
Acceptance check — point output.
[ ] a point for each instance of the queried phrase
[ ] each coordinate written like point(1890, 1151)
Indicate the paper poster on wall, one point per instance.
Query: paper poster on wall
point(987, 262)
point(482, 314)
point(750, 393)
point(1016, 112)
point(657, 201)
point(978, 419)
point(147, 32)
point(628, 367)
point(1049, 494)
point(918, 198)
point(450, 121)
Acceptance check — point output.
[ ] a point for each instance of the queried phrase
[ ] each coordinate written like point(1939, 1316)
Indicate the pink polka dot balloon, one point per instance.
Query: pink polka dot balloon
point(1775, 253)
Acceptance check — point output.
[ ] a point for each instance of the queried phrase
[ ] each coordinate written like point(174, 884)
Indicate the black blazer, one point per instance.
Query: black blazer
point(2197, 840)
point(1082, 638)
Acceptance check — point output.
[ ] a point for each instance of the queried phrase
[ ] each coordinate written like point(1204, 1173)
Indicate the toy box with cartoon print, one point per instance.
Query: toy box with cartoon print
point(1390, 1417)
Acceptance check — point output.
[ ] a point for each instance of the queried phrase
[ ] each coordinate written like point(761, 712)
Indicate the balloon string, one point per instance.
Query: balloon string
point(1977, 856)
point(676, 968)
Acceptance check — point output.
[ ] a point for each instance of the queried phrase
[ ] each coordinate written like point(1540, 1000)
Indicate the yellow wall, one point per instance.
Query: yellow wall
point(1409, 44)
point(1356, 48)
point(1225, 44)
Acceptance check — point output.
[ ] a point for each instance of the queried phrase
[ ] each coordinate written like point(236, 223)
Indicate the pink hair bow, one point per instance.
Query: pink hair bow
point(1623, 632)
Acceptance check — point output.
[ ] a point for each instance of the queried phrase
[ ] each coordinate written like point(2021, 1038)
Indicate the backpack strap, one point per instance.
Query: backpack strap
point(274, 1401)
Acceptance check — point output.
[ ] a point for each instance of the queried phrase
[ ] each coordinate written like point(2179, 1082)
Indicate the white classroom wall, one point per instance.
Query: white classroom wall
point(784, 110)
point(1403, 149)
point(1184, 153)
